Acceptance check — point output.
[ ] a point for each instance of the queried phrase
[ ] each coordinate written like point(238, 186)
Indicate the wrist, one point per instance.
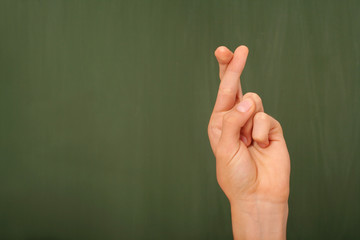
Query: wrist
point(259, 220)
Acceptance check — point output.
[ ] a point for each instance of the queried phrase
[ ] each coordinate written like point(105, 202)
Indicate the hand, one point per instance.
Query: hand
point(252, 160)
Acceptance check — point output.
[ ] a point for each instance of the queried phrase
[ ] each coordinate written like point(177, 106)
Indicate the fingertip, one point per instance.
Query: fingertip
point(221, 49)
point(244, 139)
point(242, 49)
point(262, 144)
point(223, 55)
point(238, 62)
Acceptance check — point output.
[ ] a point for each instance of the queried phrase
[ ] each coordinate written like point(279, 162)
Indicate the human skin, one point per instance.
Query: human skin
point(252, 160)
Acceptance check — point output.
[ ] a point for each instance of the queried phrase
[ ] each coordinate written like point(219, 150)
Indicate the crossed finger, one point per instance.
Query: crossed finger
point(223, 56)
point(230, 87)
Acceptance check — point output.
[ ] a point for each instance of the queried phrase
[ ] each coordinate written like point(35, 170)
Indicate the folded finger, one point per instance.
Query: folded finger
point(247, 129)
point(265, 129)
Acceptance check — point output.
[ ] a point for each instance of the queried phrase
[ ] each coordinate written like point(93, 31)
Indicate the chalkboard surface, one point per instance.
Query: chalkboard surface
point(104, 108)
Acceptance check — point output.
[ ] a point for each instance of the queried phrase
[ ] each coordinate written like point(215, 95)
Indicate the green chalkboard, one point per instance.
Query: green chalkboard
point(104, 107)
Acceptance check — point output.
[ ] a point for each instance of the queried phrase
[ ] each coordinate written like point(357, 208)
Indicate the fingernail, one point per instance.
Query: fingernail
point(243, 139)
point(263, 145)
point(244, 106)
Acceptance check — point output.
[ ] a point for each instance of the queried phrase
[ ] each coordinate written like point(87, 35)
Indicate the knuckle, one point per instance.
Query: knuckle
point(261, 117)
point(278, 126)
point(214, 127)
point(276, 122)
point(250, 94)
point(257, 100)
point(254, 96)
point(260, 138)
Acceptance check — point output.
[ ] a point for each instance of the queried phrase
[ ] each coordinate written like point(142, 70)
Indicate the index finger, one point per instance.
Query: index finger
point(230, 84)
point(223, 56)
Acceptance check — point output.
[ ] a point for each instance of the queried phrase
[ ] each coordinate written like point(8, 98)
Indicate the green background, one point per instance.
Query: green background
point(104, 107)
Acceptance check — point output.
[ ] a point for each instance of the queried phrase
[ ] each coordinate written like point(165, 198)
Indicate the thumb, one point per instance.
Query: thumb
point(232, 123)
